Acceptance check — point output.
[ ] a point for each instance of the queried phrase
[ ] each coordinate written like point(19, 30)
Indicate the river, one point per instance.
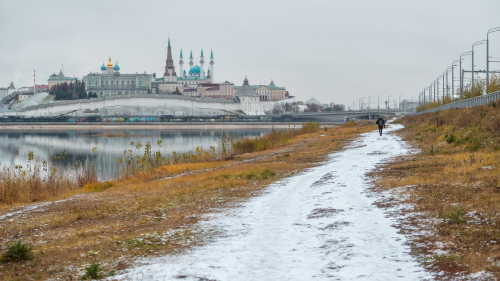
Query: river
point(110, 144)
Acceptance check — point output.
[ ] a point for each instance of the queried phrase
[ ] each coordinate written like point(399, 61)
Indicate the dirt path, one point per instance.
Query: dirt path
point(320, 224)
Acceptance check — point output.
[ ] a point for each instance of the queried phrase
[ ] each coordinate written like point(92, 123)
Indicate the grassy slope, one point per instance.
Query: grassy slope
point(141, 217)
point(454, 185)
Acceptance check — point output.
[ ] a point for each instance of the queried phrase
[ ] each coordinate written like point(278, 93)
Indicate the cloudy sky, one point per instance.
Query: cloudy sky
point(332, 50)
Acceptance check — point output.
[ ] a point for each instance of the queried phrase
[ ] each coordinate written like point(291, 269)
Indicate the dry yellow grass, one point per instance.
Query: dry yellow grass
point(454, 184)
point(153, 215)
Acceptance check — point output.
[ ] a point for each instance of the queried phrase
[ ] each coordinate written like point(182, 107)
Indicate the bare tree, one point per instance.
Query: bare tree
point(312, 107)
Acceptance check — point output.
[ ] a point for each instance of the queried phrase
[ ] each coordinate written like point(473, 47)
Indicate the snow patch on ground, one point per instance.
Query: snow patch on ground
point(33, 207)
point(320, 224)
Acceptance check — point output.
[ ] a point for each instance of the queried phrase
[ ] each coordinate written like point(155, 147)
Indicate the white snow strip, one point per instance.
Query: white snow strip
point(32, 207)
point(318, 225)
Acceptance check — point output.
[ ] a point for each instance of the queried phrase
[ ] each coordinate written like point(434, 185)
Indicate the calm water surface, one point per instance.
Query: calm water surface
point(16, 144)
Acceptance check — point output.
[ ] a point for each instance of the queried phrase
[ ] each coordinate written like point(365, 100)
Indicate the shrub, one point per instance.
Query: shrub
point(349, 123)
point(273, 139)
point(309, 127)
point(475, 144)
point(18, 252)
point(455, 215)
point(98, 186)
point(451, 138)
point(267, 174)
point(86, 175)
point(94, 272)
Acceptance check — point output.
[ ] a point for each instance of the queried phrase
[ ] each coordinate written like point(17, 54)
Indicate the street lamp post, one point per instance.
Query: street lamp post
point(436, 88)
point(488, 55)
point(447, 82)
point(443, 87)
point(378, 103)
point(434, 91)
point(369, 103)
point(461, 75)
point(453, 79)
point(475, 44)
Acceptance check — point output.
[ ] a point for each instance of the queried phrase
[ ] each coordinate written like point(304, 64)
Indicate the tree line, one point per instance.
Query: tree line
point(71, 91)
point(312, 107)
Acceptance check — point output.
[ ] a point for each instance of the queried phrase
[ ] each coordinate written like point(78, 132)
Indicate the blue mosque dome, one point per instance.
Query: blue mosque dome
point(195, 70)
point(116, 67)
point(103, 67)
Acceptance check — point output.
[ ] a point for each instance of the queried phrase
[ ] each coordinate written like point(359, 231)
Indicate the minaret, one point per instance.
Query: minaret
point(212, 65)
point(181, 64)
point(209, 78)
point(169, 68)
point(191, 60)
point(202, 62)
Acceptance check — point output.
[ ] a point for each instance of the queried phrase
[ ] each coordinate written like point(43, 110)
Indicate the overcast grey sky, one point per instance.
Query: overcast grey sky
point(330, 50)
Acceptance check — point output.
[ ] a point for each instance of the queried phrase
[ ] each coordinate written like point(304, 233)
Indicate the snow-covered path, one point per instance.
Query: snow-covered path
point(318, 225)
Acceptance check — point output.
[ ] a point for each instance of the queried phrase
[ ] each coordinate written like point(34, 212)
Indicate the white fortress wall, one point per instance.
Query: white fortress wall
point(172, 104)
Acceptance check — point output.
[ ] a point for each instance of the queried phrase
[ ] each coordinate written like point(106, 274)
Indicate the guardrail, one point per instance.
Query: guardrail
point(476, 101)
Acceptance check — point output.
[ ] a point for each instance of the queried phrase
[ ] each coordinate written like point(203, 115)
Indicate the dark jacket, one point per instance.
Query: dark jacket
point(380, 122)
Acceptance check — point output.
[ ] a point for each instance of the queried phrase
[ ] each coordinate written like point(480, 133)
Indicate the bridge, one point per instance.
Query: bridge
point(340, 116)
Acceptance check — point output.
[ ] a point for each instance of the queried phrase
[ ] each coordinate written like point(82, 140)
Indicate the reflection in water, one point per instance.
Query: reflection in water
point(15, 144)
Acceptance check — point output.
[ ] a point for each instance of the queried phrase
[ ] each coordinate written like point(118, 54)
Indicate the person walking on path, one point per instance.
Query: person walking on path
point(381, 124)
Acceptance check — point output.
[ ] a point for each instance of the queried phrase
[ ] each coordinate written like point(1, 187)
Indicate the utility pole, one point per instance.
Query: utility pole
point(488, 55)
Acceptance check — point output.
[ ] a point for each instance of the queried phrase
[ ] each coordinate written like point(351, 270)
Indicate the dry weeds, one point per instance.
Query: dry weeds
point(155, 214)
point(453, 184)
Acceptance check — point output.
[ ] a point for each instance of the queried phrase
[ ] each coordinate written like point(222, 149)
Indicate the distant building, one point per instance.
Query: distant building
point(248, 98)
point(7, 91)
point(269, 92)
point(40, 88)
point(24, 96)
point(4, 92)
point(216, 90)
point(57, 79)
point(111, 82)
point(408, 105)
point(313, 100)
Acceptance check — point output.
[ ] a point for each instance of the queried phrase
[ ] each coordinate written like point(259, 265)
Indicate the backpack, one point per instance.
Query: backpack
point(380, 122)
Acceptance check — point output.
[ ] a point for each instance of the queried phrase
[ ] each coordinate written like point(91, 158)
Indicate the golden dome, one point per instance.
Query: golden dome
point(109, 65)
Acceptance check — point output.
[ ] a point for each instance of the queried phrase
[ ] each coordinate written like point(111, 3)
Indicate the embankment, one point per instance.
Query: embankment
point(450, 189)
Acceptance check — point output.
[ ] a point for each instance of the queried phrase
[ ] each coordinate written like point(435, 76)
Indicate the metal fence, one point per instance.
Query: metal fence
point(476, 101)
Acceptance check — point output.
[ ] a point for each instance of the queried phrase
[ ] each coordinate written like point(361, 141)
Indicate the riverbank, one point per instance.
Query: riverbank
point(151, 126)
point(116, 224)
point(449, 191)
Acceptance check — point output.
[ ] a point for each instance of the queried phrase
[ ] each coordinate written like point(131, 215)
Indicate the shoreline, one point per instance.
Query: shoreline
point(151, 126)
